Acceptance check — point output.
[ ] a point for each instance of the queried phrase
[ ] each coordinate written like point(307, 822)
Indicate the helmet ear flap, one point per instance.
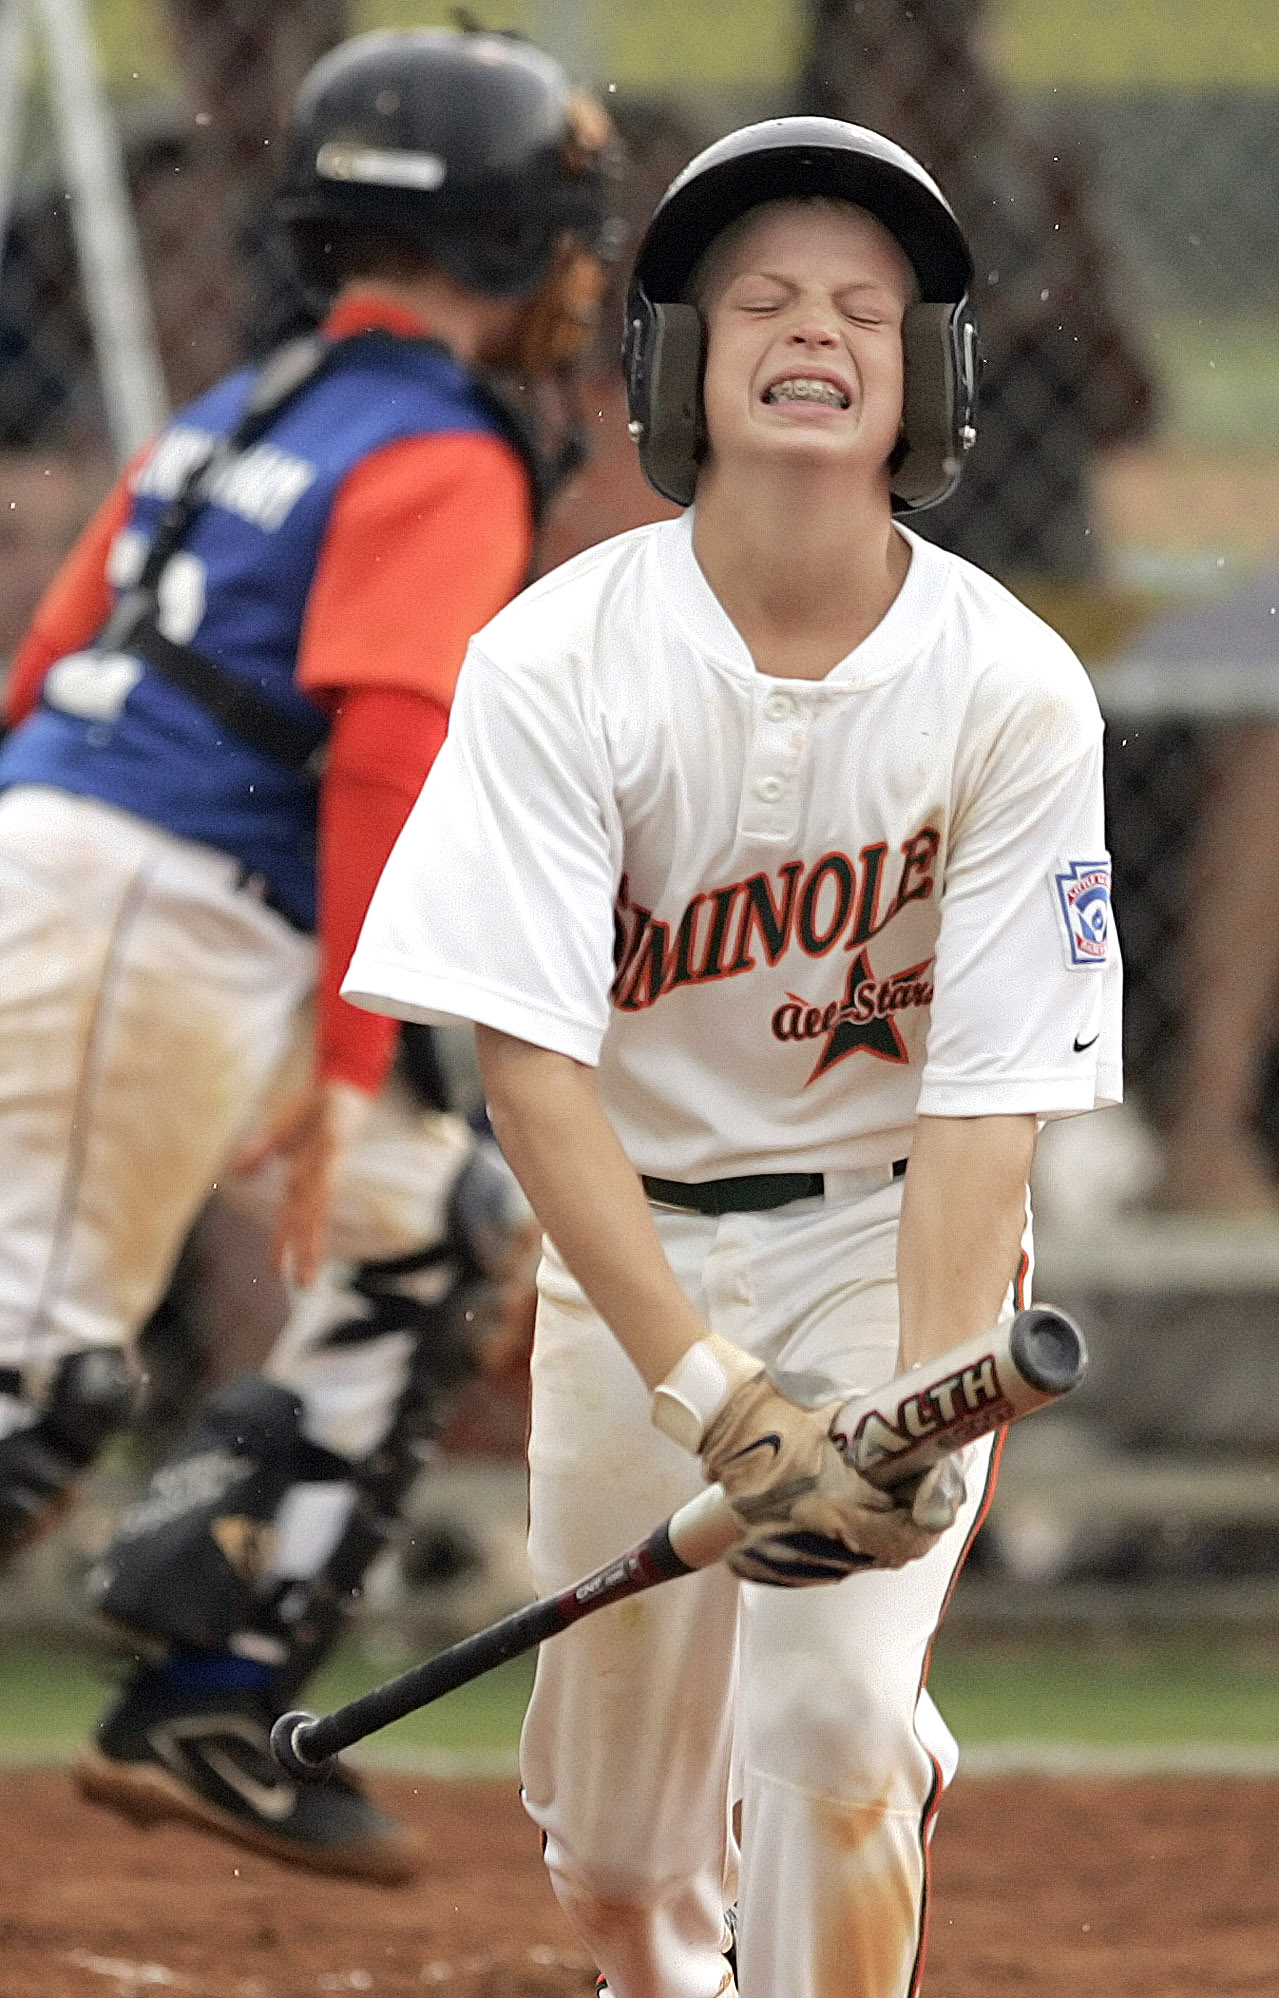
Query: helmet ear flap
point(939, 404)
point(664, 354)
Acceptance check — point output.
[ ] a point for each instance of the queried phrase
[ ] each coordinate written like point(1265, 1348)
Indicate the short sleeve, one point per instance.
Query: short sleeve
point(428, 538)
point(496, 905)
point(1027, 992)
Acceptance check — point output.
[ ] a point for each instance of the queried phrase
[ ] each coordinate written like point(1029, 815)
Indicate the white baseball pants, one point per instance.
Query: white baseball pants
point(148, 1004)
point(651, 1719)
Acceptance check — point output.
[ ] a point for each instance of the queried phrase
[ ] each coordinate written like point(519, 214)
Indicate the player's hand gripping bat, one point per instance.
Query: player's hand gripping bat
point(891, 1437)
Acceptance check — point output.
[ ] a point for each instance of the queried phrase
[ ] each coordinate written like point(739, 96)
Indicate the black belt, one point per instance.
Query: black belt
point(750, 1193)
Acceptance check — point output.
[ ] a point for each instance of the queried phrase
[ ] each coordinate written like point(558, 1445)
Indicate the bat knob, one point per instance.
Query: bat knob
point(288, 1745)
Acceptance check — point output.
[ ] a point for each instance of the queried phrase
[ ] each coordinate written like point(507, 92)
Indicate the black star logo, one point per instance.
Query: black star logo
point(877, 1036)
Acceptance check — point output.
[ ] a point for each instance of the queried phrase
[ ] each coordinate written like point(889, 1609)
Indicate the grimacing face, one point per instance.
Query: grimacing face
point(803, 303)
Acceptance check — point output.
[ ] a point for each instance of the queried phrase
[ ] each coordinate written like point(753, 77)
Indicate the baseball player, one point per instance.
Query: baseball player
point(222, 712)
point(785, 924)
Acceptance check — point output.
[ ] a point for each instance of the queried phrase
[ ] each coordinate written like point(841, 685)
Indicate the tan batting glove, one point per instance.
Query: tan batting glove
point(808, 1516)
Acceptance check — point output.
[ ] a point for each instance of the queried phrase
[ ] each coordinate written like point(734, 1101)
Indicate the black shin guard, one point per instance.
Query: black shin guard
point(305, 1618)
point(187, 1562)
point(89, 1397)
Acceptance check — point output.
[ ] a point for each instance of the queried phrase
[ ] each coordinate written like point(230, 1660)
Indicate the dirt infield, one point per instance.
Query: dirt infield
point(1159, 1888)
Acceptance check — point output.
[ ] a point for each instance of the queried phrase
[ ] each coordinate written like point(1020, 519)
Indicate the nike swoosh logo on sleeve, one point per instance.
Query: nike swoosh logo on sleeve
point(1081, 1047)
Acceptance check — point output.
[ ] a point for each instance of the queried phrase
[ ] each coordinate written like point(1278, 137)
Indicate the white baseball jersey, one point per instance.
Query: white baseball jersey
point(782, 916)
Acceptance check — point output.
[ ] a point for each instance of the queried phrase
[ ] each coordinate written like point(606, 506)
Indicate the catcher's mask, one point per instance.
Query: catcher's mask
point(794, 159)
point(470, 148)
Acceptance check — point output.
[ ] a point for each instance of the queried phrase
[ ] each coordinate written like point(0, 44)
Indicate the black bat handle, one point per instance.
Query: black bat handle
point(305, 1746)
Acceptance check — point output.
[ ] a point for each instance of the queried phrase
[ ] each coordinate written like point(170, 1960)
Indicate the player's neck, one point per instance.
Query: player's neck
point(804, 576)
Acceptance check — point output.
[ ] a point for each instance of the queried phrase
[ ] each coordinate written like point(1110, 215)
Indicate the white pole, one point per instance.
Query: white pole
point(106, 239)
point(13, 43)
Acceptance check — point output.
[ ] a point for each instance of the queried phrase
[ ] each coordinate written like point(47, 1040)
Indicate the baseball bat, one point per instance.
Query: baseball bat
point(891, 1436)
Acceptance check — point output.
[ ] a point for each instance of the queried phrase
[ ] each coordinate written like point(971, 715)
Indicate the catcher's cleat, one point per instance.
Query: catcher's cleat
point(160, 1755)
point(728, 1989)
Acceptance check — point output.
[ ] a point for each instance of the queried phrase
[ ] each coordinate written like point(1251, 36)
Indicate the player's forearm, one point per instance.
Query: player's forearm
point(587, 1196)
point(963, 1216)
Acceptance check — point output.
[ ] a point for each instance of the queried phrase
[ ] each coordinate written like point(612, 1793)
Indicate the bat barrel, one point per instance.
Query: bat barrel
point(902, 1429)
point(1047, 1349)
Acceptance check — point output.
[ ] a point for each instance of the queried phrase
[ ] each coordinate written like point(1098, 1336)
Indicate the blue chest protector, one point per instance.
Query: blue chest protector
point(114, 724)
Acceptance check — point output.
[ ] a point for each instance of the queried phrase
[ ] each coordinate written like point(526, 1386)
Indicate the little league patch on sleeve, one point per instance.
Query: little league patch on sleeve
point(1083, 892)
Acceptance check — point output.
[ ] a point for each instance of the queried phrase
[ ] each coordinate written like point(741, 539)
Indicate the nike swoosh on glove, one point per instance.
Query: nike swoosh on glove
point(792, 1557)
point(782, 1473)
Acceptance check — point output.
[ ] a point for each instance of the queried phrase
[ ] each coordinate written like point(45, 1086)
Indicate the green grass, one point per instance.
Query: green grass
point(1176, 1690)
point(47, 1701)
point(1108, 44)
point(480, 1720)
point(50, 1698)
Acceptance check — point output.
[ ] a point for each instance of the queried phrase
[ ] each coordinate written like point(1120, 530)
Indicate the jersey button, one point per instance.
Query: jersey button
point(779, 707)
point(769, 789)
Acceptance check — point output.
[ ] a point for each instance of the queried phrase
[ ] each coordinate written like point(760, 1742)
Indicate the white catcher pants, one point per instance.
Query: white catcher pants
point(651, 1719)
point(149, 1002)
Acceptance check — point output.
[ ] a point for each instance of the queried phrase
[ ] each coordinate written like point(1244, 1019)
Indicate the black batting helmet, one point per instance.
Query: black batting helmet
point(471, 146)
point(790, 159)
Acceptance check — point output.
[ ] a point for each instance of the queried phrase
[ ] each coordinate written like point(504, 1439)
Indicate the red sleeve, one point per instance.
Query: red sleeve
point(383, 743)
point(72, 609)
point(428, 539)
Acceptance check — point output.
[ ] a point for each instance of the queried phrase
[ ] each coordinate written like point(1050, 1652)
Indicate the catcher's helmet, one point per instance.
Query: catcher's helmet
point(788, 159)
point(472, 146)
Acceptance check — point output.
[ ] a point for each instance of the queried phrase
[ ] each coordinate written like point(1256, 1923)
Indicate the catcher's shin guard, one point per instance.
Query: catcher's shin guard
point(193, 1564)
point(301, 1622)
point(189, 1556)
point(89, 1396)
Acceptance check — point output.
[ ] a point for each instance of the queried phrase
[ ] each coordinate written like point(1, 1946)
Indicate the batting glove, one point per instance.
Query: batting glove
point(792, 1558)
point(807, 1516)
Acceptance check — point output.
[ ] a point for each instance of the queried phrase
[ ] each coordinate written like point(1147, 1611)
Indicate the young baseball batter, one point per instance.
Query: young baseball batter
point(766, 851)
point(221, 715)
